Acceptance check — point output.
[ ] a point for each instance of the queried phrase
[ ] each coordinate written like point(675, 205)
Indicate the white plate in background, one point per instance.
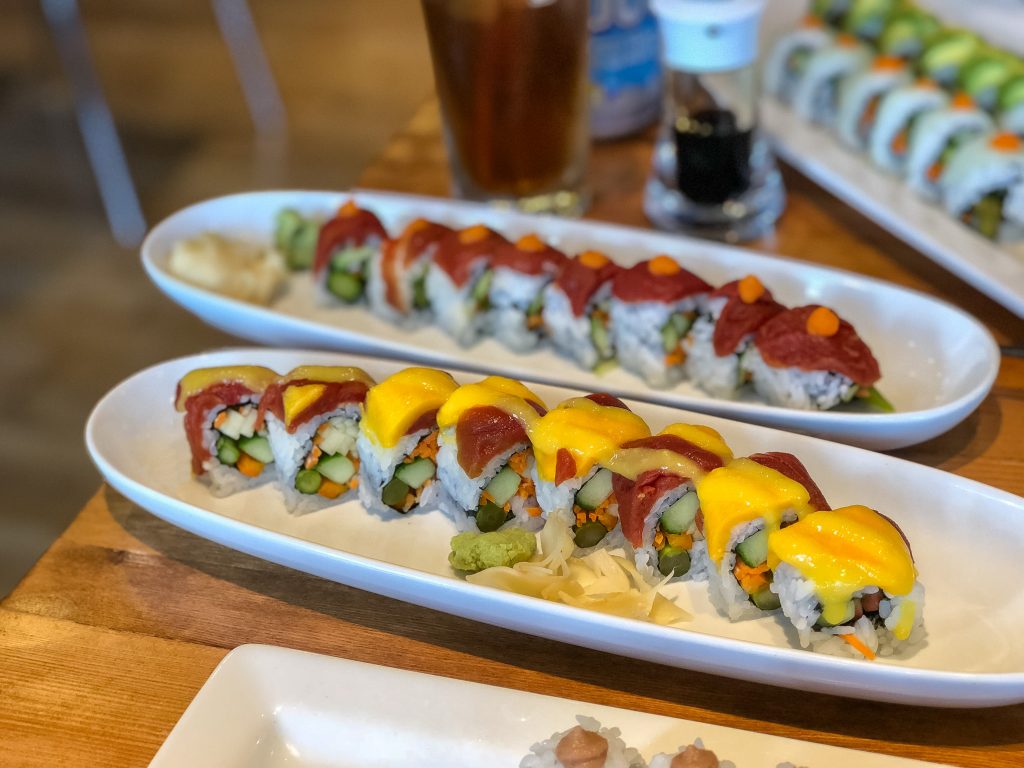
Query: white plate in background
point(995, 270)
point(937, 362)
point(267, 706)
point(967, 539)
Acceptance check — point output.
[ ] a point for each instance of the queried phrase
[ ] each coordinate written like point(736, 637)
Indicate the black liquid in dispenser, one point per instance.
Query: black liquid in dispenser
point(712, 156)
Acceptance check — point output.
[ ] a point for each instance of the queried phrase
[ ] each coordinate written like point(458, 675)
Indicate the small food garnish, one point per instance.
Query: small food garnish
point(231, 267)
point(750, 289)
point(580, 748)
point(695, 757)
point(416, 225)
point(663, 265)
point(823, 322)
point(885, 62)
point(962, 100)
point(474, 552)
point(530, 243)
point(593, 259)
point(846, 40)
point(473, 234)
point(1006, 142)
point(349, 208)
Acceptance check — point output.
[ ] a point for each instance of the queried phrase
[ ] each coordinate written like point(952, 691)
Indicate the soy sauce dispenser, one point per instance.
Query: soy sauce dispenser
point(713, 173)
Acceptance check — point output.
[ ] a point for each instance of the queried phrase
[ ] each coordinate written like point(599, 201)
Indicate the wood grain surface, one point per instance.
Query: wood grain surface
point(116, 628)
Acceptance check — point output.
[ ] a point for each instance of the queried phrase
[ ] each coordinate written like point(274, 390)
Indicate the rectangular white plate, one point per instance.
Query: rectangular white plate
point(265, 706)
point(995, 270)
point(967, 539)
point(937, 362)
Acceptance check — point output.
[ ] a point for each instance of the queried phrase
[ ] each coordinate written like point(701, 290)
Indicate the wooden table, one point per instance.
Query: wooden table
point(113, 632)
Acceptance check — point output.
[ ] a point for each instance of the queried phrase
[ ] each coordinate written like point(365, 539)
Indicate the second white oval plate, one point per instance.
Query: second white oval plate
point(967, 540)
point(937, 362)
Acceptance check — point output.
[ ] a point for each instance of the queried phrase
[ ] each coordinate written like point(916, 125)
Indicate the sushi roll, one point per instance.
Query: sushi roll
point(1011, 106)
point(345, 247)
point(576, 307)
point(295, 238)
point(847, 582)
point(397, 280)
point(934, 138)
point(720, 336)
point(861, 95)
point(906, 33)
point(570, 445)
point(653, 304)
point(867, 18)
point(983, 185)
point(397, 441)
point(459, 281)
point(220, 407)
point(587, 745)
point(693, 755)
point(983, 77)
point(485, 461)
point(788, 58)
point(899, 109)
point(816, 96)
point(653, 480)
point(741, 504)
point(312, 420)
point(946, 54)
point(520, 273)
point(810, 358)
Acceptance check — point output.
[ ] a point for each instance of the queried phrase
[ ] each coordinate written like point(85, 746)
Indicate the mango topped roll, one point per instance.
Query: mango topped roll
point(312, 419)
point(230, 452)
point(397, 441)
point(847, 582)
point(571, 443)
point(485, 459)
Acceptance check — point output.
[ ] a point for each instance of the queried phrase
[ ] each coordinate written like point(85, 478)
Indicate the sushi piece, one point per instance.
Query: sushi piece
point(570, 444)
point(397, 441)
point(653, 304)
point(983, 185)
point(459, 281)
point(898, 110)
point(344, 248)
point(846, 581)
point(867, 18)
point(576, 309)
point(295, 237)
point(587, 745)
point(934, 138)
point(720, 336)
point(654, 483)
point(788, 58)
point(690, 756)
point(810, 358)
point(1011, 106)
point(906, 32)
point(485, 460)
point(312, 418)
point(946, 54)
point(985, 74)
point(520, 273)
point(861, 95)
point(816, 96)
point(229, 454)
point(741, 504)
point(397, 288)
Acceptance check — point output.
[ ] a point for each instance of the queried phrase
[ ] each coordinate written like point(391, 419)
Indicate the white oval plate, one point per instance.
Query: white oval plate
point(271, 706)
point(937, 362)
point(967, 538)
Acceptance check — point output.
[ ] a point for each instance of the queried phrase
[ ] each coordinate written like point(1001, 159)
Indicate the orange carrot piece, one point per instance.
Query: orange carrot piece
point(248, 466)
point(330, 489)
point(218, 422)
point(857, 643)
point(677, 357)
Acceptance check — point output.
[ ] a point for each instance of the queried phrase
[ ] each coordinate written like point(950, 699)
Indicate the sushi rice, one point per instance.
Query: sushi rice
point(570, 334)
point(719, 376)
point(377, 466)
point(796, 388)
point(636, 334)
point(512, 294)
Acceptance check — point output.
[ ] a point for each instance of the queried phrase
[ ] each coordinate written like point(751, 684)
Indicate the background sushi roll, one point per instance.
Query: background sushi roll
point(787, 61)
point(907, 31)
point(570, 445)
point(520, 272)
point(935, 137)
point(900, 108)
point(741, 504)
point(576, 308)
point(1011, 105)
point(312, 419)
point(867, 18)
point(600, 747)
point(653, 304)
point(397, 288)
point(832, 12)
point(946, 54)
point(295, 238)
point(397, 441)
point(861, 94)
point(985, 74)
point(721, 335)
point(816, 97)
point(459, 281)
point(810, 358)
point(690, 755)
point(653, 479)
point(983, 185)
point(345, 247)
point(847, 582)
point(485, 461)
point(221, 408)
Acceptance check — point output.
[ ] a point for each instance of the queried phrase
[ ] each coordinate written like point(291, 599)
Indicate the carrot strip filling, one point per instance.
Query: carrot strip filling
point(857, 643)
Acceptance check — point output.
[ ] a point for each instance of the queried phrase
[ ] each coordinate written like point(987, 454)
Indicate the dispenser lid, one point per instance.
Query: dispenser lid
point(708, 35)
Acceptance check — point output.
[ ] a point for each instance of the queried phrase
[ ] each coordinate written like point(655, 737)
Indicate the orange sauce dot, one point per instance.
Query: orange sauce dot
point(1005, 142)
point(416, 225)
point(750, 289)
point(847, 40)
point(962, 101)
point(663, 265)
point(888, 62)
point(823, 322)
point(530, 243)
point(593, 259)
point(473, 234)
point(349, 208)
